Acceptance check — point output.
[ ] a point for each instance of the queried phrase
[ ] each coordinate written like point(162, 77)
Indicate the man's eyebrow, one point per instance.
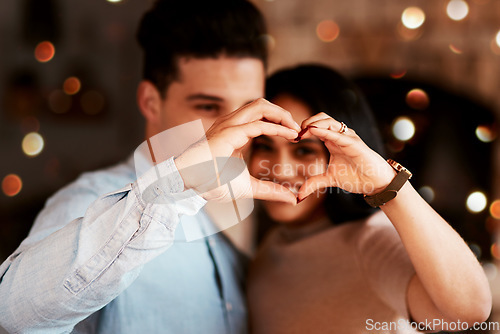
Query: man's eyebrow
point(205, 97)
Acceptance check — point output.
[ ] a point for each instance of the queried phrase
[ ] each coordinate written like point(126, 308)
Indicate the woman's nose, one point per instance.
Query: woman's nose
point(283, 168)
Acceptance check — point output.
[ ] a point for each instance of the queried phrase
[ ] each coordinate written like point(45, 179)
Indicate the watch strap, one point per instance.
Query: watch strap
point(392, 189)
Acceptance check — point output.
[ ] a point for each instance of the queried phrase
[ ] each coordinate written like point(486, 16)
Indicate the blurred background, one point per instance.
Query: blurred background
point(430, 70)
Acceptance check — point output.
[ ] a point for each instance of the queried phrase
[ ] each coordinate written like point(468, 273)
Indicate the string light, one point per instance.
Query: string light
point(413, 17)
point(455, 49)
point(45, 51)
point(495, 251)
point(485, 134)
point(398, 74)
point(403, 128)
point(427, 193)
point(457, 9)
point(476, 202)
point(495, 209)
point(12, 185)
point(490, 270)
point(327, 31)
point(32, 144)
point(417, 99)
point(72, 85)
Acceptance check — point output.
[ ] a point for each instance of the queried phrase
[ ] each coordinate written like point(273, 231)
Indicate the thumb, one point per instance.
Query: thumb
point(270, 191)
point(313, 184)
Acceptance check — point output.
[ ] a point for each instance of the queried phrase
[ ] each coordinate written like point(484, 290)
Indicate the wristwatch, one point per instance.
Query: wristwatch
point(392, 189)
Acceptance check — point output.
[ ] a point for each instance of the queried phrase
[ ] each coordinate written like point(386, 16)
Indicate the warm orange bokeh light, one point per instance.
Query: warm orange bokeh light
point(327, 30)
point(11, 185)
point(495, 209)
point(44, 51)
point(417, 99)
point(398, 74)
point(455, 49)
point(72, 85)
point(495, 251)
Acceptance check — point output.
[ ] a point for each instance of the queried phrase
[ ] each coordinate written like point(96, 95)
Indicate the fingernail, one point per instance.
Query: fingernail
point(301, 133)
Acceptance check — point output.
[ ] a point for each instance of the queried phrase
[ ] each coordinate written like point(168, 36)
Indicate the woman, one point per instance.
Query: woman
point(334, 264)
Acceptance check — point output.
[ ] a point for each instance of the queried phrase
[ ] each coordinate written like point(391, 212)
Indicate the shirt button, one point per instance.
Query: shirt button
point(229, 306)
point(212, 242)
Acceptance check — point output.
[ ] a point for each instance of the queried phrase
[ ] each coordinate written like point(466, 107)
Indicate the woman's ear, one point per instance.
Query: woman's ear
point(149, 102)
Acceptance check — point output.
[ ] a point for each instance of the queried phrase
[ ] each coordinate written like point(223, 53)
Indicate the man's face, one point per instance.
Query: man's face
point(208, 88)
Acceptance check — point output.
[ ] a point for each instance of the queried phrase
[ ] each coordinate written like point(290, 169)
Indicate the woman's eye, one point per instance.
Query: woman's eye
point(262, 147)
point(304, 151)
point(208, 107)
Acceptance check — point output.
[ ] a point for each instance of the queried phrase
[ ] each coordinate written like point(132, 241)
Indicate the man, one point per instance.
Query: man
point(96, 259)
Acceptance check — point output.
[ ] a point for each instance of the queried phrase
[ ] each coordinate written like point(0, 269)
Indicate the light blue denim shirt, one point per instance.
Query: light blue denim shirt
point(112, 263)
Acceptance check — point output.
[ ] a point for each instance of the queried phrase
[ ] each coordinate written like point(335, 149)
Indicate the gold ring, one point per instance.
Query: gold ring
point(343, 127)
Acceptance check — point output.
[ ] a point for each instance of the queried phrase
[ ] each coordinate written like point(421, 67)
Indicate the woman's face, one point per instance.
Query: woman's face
point(290, 164)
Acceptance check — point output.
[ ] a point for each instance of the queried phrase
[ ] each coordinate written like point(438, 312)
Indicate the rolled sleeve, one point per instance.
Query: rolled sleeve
point(51, 283)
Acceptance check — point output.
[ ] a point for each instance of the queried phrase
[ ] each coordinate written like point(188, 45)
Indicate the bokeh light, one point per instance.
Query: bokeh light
point(455, 49)
point(485, 133)
point(495, 48)
point(327, 30)
point(495, 209)
point(457, 9)
point(269, 40)
point(490, 270)
point(476, 202)
point(398, 74)
point(12, 185)
point(92, 102)
point(427, 193)
point(413, 17)
point(475, 249)
point(403, 128)
point(114, 1)
point(71, 85)
point(32, 144)
point(417, 99)
point(59, 102)
point(45, 51)
point(495, 251)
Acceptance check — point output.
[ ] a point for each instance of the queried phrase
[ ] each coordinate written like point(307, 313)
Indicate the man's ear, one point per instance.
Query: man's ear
point(149, 101)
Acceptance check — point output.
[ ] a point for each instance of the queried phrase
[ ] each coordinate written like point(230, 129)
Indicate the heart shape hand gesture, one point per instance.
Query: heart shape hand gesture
point(226, 138)
point(353, 166)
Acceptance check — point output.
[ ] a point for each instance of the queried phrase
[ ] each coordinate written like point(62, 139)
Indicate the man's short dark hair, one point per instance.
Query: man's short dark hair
point(200, 29)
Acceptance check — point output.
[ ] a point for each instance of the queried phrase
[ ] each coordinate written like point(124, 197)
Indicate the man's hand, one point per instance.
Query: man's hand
point(225, 138)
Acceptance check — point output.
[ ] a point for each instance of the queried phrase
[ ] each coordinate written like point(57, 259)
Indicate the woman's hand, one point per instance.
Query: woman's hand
point(353, 166)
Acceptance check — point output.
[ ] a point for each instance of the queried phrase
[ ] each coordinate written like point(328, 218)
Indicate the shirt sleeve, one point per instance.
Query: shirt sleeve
point(385, 262)
point(65, 271)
